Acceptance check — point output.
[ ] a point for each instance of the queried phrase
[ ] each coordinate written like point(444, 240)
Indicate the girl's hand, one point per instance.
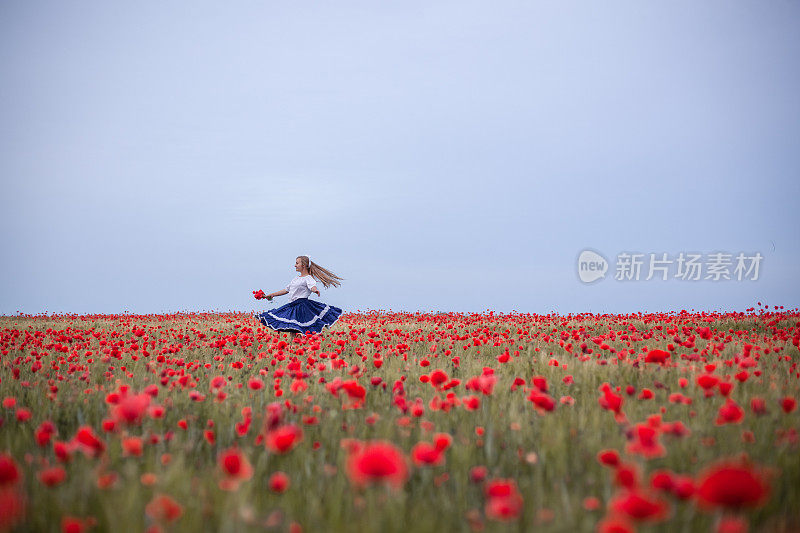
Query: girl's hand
point(269, 297)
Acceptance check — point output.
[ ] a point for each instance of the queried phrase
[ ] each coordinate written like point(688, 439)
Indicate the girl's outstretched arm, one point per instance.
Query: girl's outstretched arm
point(272, 295)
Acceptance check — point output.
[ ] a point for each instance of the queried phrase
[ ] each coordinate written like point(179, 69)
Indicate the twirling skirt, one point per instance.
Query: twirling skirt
point(301, 315)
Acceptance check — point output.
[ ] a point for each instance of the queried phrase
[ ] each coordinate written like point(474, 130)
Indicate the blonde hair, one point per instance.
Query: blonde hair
point(319, 273)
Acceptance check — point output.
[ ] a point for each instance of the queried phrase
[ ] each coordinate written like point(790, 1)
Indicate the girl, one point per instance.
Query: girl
point(302, 314)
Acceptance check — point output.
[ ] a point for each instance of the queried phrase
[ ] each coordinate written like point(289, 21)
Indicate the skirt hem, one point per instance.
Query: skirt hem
point(302, 315)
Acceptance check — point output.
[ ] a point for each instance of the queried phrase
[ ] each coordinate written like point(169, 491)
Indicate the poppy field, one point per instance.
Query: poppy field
point(680, 421)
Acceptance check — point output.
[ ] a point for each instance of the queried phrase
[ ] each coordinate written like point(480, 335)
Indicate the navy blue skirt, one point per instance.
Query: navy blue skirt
point(301, 315)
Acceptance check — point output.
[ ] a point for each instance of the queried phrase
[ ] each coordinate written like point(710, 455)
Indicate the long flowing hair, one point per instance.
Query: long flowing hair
point(319, 273)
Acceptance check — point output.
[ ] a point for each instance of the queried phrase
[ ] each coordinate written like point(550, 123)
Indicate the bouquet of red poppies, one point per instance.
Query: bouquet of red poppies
point(259, 294)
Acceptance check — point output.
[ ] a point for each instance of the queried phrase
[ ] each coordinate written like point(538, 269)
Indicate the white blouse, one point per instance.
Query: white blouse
point(300, 287)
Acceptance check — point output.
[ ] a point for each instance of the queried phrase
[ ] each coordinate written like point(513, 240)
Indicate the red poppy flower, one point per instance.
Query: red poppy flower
point(504, 501)
point(732, 524)
point(497, 488)
point(758, 406)
point(356, 392)
point(477, 473)
point(608, 457)
point(88, 441)
point(730, 413)
point(255, 384)
point(377, 462)
point(131, 409)
point(425, 454)
point(9, 471)
point(677, 429)
point(132, 446)
point(53, 476)
point(615, 524)
point(504, 509)
point(63, 450)
point(283, 438)
point(442, 441)
point(279, 482)
point(44, 433)
point(609, 400)
point(627, 475)
point(683, 487)
point(71, 524)
point(591, 503)
point(645, 442)
point(438, 378)
point(12, 508)
point(788, 404)
point(656, 356)
point(542, 402)
point(163, 509)
point(732, 485)
point(705, 332)
point(707, 381)
point(235, 468)
point(106, 480)
point(640, 506)
point(662, 480)
point(471, 403)
point(484, 383)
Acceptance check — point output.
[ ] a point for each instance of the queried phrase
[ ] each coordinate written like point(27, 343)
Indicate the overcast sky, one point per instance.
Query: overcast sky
point(448, 156)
